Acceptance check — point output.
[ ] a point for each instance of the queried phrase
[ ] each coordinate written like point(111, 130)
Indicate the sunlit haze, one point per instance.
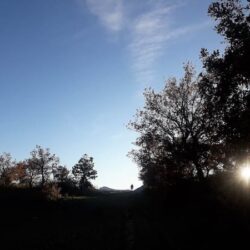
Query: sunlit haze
point(72, 74)
point(245, 173)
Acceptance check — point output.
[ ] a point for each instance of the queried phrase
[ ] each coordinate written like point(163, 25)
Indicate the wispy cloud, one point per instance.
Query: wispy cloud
point(150, 34)
point(109, 12)
point(148, 37)
point(148, 30)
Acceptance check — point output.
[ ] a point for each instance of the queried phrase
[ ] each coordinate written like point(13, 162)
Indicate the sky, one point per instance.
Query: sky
point(72, 74)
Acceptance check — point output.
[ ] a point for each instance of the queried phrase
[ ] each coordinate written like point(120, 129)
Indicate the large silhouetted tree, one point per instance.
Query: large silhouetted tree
point(84, 171)
point(174, 141)
point(42, 162)
point(226, 80)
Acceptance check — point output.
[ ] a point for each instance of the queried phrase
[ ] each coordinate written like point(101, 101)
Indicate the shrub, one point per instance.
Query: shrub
point(52, 191)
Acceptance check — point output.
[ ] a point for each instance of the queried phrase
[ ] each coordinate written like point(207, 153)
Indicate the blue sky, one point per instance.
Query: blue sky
point(72, 73)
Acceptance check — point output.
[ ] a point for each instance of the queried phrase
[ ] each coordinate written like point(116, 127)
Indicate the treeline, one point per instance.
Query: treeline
point(43, 170)
point(200, 125)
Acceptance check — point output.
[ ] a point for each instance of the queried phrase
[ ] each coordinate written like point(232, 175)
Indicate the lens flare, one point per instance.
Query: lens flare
point(245, 173)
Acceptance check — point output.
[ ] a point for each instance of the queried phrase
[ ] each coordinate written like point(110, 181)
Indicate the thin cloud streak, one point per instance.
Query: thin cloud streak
point(109, 12)
point(147, 42)
point(148, 32)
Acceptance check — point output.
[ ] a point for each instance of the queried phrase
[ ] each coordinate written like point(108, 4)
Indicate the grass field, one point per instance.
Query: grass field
point(121, 221)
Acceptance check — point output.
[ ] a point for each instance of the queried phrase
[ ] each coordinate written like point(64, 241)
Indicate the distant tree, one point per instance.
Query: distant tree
point(6, 163)
point(42, 162)
point(225, 82)
point(61, 174)
point(32, 173)
point(18, 173)
point(132, 187)
point(174, 141)
point(84, 171)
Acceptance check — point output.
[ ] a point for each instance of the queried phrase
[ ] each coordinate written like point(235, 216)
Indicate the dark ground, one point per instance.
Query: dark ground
point(186, 218)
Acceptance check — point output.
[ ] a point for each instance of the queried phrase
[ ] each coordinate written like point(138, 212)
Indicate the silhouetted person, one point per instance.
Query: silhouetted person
point(132, 187)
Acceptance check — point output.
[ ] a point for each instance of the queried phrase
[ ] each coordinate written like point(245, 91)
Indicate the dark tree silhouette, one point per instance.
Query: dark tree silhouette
point(18, 173)
point(6, 163)
point(174, 141)
point(32, 173)
point(84, 171)
point(42, 162)
point(61, 174)
point(65, 181)
point(226, 80)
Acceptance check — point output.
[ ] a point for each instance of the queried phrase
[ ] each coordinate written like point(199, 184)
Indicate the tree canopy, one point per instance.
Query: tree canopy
point(225, 80)
point(84, 171)
point(6, 163)
point(43, 163)
point(174, 141)
point(42, 171)
point(197, 126)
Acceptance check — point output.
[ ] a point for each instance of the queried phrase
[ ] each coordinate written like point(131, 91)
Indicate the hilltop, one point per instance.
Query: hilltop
point(112, 190)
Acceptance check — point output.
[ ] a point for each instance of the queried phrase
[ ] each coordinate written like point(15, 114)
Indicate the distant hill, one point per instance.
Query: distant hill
point(111, 190)
point(106, 189)
point(139, 189)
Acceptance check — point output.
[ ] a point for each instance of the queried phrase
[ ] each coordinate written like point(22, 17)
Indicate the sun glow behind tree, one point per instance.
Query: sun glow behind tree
point(245, 173)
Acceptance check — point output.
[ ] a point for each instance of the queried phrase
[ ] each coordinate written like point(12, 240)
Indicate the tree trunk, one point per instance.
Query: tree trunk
point(43, 179)
point(200, 173)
